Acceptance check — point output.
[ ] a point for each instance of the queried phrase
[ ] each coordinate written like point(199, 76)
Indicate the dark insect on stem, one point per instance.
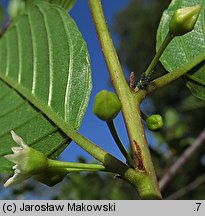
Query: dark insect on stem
point(144, 81)
point(142, 84)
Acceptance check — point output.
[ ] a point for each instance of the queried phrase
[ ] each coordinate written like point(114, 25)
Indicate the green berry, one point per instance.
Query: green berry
point(154, 122)
point(106, 105)
point(184, 20)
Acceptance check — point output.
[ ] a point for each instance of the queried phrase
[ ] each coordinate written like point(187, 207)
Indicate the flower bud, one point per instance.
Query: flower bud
point(154, 122)
point(184, 20)
point(28, 161)
point(106, 105)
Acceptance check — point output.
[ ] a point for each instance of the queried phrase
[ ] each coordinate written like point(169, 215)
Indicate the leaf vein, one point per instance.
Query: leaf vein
point(50, 53)
point(20, 53)
point(70, 70)
point(34, 55)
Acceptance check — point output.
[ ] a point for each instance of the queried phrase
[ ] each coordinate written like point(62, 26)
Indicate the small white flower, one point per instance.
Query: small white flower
point(28, 161)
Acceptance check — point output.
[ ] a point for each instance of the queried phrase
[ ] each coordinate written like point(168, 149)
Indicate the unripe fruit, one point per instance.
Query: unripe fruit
point(154, 122)
point(106, 105)
point(184, 20)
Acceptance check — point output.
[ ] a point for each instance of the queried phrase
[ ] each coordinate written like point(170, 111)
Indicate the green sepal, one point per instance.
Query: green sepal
point(184, 20)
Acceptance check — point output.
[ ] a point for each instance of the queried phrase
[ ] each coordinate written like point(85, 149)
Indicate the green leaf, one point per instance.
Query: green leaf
point(45, 80)
point(17, 7)
point(186, 48)
point(66, 4)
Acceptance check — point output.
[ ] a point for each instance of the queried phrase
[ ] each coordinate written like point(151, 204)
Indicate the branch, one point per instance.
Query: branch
point(170, 77)
point(156, 58)
point(147, 74)
point(185, 190)
point(148, 188)
point(181, 161)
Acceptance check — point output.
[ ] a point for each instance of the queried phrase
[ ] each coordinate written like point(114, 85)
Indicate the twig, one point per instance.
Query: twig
point(148, 189)
point(144, 116)
point(146, 76)
point(185, 190)
point(181, 161)
point(169, 77)
point(115, 136)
